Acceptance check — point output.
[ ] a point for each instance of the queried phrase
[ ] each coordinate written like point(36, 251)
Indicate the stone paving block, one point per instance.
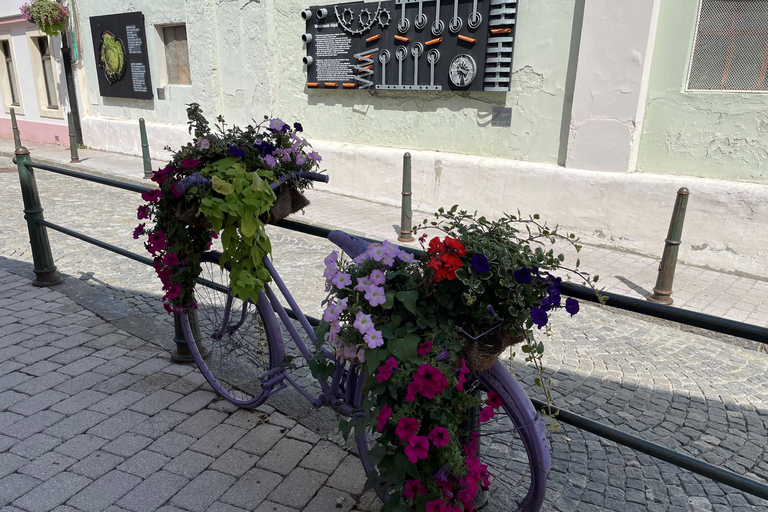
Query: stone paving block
point(41, 368)
point(41, 383)
point(281, 420)
point(114, 426)
point(80, 383)
point(8, 398)
point(261, 439)
point(52, 493)
point(199, 424)
point(7, 367)
point(127, 445)
point(153, 492)
point(7, 443)
point(144, 463)
point(10, 463)
point(96, 464)
point(117, 402)
point(33, 424)
point(180, 370)
point(38, 354)
point(16, 337)
point(172, 444)
point(13, 379)
point(15, 485)
point(188, 383)
point(349, 476)
point(151, 366)
point(234, 462)
point(218, 440)
point(189, 464)
point(269, 506)
point(81, 366)
point(9, 418)
point(47, 465)
point(251, 489)
point(76, 424)
point(284, 456)
point(77, 403)
point(159, 424)
point(35, 446)
point(152, 383)
point(75, 340)
point(298, 488)
point(246, 418)
point(193, 402)
point(224, 507)
point(325, 457)
point(302, 433)
point(117, 383)
point(110, 353)
point(38, 402)
point(117, 366)
point(200, 493)
point(156, 402)
point(104, 492)
point(331, 499)
point(71, 355)
point(81, 446)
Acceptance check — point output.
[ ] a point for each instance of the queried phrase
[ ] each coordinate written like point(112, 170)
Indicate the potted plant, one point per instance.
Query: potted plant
point(416, 328)
point(218, 185)
point(50, 17)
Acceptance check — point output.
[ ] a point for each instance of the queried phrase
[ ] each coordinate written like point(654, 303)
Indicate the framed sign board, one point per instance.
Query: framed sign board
point(120, 49)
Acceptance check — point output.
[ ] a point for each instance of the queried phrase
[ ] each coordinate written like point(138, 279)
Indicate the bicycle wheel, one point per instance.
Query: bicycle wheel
point(238, 341)
point(512, 444)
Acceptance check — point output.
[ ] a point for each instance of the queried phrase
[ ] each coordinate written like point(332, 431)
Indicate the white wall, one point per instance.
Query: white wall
point(10, 7)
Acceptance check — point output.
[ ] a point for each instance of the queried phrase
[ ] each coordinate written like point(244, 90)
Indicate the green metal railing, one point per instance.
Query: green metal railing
point(46, 275)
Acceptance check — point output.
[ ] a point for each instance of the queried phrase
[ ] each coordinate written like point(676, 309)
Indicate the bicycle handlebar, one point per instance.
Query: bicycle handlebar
point(314, 176)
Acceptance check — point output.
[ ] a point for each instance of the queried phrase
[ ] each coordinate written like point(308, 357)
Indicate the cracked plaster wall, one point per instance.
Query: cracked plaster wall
point(716, 134)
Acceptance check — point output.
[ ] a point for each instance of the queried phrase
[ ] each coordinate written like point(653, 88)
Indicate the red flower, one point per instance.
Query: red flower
point(407, 428)
point(425, 348)
point(435, 246)
point(417, 448)
point(439, 437)
point(413, 488)
point(494, 399)
point(384, 414)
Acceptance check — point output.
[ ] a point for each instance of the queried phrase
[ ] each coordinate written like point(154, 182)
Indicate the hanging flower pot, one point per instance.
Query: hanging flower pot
point(49, 16)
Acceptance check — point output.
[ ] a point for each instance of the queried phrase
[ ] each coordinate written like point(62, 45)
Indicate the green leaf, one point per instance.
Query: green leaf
point(345, 427)
point(248, 226)
point(390, 301)
point(408, 298)
point(221, 186)
point(404, 348)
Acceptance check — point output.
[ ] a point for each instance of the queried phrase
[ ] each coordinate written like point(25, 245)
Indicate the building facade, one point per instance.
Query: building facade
point(31, 79)
point(614, 105)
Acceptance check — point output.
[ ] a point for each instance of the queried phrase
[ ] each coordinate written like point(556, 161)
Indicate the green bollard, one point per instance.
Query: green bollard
point(182, 354)
point(45, 270)
point(406, 213)
point(74, 159)
point(663, 290)
point(145, 150)
point(15, 128)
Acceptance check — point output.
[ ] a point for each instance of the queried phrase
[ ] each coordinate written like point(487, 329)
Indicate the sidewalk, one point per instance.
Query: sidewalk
point(734, 297)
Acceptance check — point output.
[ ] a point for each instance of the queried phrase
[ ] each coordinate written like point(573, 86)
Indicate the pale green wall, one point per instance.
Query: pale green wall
point(458, 123)
point(709, 134)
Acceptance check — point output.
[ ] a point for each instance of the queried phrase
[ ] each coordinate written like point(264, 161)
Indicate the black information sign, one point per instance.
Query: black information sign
point(120, 47)
point(415, 45)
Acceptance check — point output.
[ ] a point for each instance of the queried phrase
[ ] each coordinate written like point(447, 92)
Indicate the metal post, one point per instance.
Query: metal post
point(66, 59)
point(182, 353)
point(72, 140)
point(15, 128)
point(663, 290)
point(406, 214)
point(45, 270)
point(145, 150)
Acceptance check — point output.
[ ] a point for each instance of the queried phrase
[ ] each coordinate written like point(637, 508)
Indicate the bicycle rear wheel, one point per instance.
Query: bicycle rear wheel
point(238, 341)
point(512, 444)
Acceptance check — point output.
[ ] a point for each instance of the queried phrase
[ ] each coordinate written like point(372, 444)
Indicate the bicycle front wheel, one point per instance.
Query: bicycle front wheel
point(512, 444)
point(238, 341)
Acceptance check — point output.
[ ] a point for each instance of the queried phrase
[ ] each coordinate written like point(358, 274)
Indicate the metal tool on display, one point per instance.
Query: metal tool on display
point(421, 19)
point(437, 26)
point(384, 57)
point(455, 24)
point(433, 56)
point(404, 24)
point(475, 18)
point(416, 50)
point(401, 52)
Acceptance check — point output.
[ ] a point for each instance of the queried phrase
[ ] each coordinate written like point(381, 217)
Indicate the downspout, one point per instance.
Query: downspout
point(66, 57)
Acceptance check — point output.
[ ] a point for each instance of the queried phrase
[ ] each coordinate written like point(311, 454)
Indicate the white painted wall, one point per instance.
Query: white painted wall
point(10, 7)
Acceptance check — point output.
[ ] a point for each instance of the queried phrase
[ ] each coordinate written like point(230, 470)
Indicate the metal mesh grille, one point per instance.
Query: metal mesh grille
point(731, 48)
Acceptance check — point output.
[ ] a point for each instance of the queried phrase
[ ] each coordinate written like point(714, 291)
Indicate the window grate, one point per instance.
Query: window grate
point(731, 47)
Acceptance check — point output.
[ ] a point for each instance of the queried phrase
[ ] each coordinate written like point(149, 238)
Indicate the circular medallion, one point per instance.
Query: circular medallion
point(462, 70)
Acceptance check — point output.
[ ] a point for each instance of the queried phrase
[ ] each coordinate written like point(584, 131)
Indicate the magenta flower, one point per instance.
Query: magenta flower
point(439, 437)
point(485, 414)
point(463, 371)
point(406, 428)
point(174, 292)
point(139, 231)
point(157, 242)
point(494, 399)
point(413, 488)
point(170, 260)
point(190, 163)
point(425, 348)
point(151, 195)
point(385, 370)
point(417, 448)
point(430, 381)
point(384, 414)
point(160, 175)
point(411, 391)
point(142, 212)
point(436, 506)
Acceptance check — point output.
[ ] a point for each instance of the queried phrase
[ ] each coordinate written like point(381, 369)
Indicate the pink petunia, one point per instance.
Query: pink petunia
point(190, 163)
point(463, 371)
point(384, 414)
point(413, 488)
point(439, 437)
point(425, 348)
point(170, 260)
point(385, 370)
point(139, 230)
point(494, 399)
point(142, 212)
point(151, 195)
point(406, 428)
point(430, 380)
point(412, 391)
point(435, 506)
point(417, 448)
point(485, 414)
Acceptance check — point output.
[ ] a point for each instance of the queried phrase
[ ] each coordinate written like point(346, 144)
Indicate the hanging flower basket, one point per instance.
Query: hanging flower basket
point(49, 16)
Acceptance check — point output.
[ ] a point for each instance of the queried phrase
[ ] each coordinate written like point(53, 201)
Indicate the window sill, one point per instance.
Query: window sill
point(18, 108)
point(52, 113)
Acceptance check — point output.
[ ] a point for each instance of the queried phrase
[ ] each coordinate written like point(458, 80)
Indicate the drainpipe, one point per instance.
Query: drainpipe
point(66, 57)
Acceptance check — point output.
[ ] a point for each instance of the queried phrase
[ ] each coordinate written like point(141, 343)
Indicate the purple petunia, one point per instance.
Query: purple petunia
point(297, 126)
point(523, 276)
point(270, 161)
point(236, 152)
point(571, 306)
point(539, 317)
point(479, 263)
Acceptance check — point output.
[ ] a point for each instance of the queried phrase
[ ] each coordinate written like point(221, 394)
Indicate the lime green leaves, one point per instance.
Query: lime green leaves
point(246, 197)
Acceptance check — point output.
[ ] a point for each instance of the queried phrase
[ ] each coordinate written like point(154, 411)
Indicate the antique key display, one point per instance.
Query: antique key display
point(411, 45)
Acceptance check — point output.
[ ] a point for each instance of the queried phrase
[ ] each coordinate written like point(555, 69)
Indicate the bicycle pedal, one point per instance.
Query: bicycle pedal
point(273, 381)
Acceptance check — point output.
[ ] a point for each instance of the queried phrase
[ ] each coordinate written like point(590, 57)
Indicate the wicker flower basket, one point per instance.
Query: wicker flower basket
point(481, 350)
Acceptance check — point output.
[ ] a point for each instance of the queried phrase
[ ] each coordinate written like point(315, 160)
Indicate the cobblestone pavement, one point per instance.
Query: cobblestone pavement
point(94, 415)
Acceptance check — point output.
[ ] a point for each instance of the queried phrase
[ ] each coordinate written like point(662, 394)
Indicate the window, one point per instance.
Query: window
point(49, 77)
point(730, 51)
point(176, 55)
point(12, 89)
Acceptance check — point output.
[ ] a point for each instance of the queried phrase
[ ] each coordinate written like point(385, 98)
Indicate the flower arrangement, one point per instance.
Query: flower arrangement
point(412, 329)
point(218, 185)
point(49, 16)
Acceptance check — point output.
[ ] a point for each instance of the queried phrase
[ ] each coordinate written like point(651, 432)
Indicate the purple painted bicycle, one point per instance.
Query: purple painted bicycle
point(240, 349)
